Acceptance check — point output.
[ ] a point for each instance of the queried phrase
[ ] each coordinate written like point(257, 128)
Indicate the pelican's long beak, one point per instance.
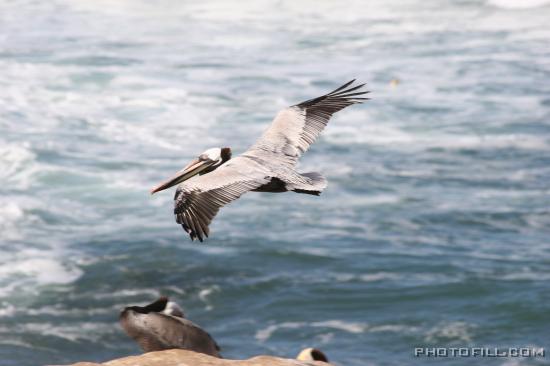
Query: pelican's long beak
point(192, 169)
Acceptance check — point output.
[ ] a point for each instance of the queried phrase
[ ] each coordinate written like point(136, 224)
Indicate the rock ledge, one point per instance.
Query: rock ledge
point(178, 357)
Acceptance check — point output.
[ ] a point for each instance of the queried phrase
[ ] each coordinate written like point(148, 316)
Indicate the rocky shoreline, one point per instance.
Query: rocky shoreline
point(179, 357)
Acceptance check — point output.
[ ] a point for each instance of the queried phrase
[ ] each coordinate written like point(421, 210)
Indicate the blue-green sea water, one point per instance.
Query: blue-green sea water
point(434, 229)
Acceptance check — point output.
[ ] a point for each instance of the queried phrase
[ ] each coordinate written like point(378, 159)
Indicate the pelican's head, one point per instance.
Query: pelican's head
point(205, 163)
point(311, 354)
point(173, 309)
point(157, 306)
point(161, 306)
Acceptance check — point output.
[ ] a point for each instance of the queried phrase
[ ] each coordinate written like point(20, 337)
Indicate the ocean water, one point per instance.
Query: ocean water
point(434, 229)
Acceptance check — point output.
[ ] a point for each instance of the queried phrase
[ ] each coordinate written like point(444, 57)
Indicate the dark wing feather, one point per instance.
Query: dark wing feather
point(295, 128)
point(199, 199)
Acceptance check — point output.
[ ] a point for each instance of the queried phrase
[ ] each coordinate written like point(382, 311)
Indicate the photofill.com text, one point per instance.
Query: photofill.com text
point(478, 352)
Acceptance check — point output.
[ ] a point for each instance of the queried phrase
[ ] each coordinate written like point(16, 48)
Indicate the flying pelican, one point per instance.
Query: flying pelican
point(161, 325)
point(214, 179)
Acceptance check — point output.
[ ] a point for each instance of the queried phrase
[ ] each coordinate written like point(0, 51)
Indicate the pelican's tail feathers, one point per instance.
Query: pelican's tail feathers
point(316, 183)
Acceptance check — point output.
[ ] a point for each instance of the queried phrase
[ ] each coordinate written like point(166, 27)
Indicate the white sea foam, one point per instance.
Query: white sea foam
point(7, 309)
point(141, 292)
point(29, 268)
point(19, 343)
point(82, 331)
point(457, 332)
point(59, 311)
point(205, 293)
point(404, 279)
point(11, 214)
point(17, 165)
point(397, 138)
point(13, 157)
point(45, 270)
point(394, 328)
point(379, 276)
point(350, 327)
point(515, 4)
point(263, 335)
point(524, 275)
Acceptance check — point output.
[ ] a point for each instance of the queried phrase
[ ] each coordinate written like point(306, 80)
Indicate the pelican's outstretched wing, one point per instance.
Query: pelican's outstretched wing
point(295, 128)
point(156, 332)
point(199, 199)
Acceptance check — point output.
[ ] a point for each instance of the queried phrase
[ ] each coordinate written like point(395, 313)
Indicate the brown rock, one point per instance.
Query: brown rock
point(179, 357)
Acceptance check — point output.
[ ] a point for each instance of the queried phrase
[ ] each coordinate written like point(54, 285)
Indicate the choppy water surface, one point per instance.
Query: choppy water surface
point(434, 229)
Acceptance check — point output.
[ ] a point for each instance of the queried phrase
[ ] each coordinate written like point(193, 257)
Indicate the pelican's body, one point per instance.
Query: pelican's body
point(214, 179)
point(161, 325)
